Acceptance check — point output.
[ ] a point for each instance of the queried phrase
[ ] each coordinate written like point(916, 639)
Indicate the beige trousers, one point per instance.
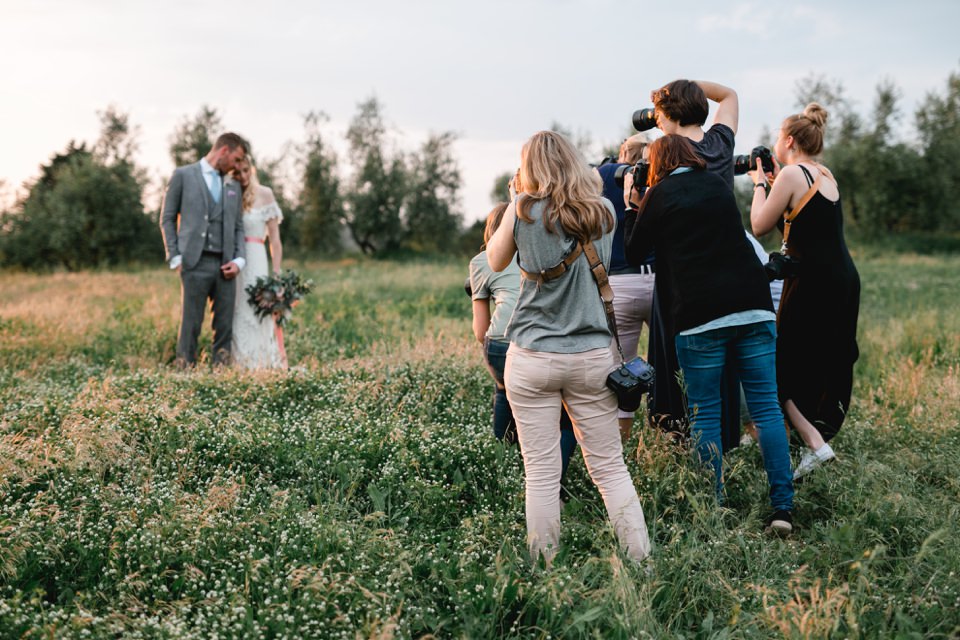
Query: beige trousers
point(537, 382)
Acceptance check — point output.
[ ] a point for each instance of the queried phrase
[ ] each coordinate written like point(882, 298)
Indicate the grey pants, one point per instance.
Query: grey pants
point(197, 285)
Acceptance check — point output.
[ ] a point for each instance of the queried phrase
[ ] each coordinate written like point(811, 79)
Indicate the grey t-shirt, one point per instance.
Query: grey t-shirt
point(564, 315)
point(503, 287)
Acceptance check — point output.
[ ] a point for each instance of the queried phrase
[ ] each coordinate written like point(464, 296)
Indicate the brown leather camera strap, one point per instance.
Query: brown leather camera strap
point(788, 218)
point(555, 272)
point(606, 291)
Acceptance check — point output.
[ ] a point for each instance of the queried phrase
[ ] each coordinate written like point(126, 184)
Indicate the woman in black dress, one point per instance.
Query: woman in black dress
point(817, 320)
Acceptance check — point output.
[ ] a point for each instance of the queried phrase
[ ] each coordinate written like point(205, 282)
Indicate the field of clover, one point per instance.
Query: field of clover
point(362, 495)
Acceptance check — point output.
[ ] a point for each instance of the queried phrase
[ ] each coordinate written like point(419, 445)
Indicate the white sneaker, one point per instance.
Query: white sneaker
point(813, 459)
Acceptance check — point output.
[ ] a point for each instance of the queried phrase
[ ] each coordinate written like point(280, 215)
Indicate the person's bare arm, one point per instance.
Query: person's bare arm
point(502, 247)
point(766, 210)
point(481, 318)
point(276, 247)
point(728, 105)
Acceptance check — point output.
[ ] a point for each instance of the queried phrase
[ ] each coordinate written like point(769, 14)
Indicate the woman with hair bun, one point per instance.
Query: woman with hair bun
point(817, 322)
point(560, 341)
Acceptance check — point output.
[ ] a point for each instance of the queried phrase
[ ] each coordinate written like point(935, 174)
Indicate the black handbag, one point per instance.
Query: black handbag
point(631, 379)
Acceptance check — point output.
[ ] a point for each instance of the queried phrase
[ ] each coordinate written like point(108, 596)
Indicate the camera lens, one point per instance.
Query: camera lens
point(644, 119)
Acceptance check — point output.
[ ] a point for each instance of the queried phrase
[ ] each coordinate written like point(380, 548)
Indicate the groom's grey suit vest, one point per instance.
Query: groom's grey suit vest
point(192, 222)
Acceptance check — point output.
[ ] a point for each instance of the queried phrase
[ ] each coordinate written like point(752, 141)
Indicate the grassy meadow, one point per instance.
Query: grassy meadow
point(362, 494)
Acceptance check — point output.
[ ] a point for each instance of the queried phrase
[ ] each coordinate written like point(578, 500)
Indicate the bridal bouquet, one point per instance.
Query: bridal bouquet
point(277, 295)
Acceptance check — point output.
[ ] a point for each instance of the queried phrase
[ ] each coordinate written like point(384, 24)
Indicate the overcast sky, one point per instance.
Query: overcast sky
point(493, 72)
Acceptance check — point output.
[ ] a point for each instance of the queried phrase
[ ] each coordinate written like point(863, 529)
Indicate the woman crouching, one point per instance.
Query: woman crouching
point(560, 341)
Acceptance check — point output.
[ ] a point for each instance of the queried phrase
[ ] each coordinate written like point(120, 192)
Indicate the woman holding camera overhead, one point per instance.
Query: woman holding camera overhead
point(720, 305)
point(560, 341)
point(817, 324)
point(681, 107)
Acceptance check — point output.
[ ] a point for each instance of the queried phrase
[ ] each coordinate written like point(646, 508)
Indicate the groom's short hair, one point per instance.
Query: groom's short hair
point(232, 141)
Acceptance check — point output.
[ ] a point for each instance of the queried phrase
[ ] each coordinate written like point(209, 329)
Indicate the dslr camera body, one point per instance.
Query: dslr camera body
point(744, 163)
point(638, 171)
point(630, 381)
point(781, 266)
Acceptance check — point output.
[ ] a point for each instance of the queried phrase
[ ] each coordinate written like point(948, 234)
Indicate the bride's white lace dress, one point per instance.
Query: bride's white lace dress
point(257, 343)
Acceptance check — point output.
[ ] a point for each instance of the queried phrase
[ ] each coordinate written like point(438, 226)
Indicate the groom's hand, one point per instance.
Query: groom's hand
point(230, 270)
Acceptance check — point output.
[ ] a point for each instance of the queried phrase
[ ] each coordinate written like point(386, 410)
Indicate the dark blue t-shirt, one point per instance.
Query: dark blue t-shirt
point(614, 193)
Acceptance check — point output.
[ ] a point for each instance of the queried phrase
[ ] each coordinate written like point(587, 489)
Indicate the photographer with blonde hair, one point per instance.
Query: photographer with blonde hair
point(560, 340)
point(817, 323)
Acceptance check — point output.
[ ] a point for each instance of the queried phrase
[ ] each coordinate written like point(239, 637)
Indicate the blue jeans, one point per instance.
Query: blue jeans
point(495, 355)
point(702, 357)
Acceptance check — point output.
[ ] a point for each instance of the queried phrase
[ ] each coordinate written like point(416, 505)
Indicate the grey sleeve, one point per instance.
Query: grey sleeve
point(169, 212)
point(479, 281)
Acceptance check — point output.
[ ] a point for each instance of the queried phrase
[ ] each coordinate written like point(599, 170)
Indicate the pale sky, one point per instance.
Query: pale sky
point(493, 72)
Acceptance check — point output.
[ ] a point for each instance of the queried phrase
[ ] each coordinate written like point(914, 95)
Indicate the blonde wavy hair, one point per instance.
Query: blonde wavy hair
point(552, 169)
point(250, 191)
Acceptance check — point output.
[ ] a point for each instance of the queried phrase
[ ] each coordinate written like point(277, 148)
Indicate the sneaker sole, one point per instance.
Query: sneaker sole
point(780, 528)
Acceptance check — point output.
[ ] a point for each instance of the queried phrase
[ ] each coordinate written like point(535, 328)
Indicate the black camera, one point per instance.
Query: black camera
point(630, 381)
point(781, 266)
point(640, 172)
point(744, 163)
point(467, 287)
point(644, 119)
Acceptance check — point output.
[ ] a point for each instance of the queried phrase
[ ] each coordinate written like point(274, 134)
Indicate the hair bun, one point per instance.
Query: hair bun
point(816, 114)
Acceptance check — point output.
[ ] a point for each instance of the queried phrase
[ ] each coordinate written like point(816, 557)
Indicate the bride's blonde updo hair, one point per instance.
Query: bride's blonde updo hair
point(807, 128)
point(552, 169)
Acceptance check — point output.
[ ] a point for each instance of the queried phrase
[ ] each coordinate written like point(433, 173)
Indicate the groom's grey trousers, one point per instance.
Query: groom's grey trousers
point(199, 283)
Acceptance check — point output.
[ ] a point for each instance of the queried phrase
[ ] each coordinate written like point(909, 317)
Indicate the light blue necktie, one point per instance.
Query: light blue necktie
point(215, 188)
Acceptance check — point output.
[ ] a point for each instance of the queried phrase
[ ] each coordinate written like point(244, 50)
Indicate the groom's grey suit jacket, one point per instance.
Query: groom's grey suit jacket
point(188, 199)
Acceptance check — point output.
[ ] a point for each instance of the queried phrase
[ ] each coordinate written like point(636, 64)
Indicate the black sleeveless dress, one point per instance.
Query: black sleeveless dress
point(817, 320)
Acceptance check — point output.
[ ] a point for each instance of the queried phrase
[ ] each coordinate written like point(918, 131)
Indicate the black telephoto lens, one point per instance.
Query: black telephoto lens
point(644, 119)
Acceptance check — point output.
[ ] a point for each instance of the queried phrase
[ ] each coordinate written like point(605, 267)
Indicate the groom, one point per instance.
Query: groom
point(202, 230)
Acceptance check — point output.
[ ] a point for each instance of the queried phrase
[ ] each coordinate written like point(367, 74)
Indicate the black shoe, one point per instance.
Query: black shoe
point(780, 523)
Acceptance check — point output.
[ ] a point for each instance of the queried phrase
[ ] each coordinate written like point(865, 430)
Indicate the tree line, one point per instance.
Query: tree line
point(86, 208)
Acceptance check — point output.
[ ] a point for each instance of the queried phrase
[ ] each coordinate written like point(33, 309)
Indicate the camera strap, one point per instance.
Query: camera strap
point(606, 291)
point(599, 275)
point(788, 218)
point(545, 275)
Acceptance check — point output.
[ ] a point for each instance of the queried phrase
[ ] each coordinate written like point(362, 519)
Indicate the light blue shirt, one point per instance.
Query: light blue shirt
point(210, 174)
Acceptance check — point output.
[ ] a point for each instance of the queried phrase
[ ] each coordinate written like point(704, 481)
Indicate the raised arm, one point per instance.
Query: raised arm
point(502, 247)
point(765, 210)
point(168, 215)
point(728, 109)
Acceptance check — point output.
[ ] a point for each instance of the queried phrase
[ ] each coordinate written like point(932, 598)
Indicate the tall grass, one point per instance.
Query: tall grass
point(363, 495)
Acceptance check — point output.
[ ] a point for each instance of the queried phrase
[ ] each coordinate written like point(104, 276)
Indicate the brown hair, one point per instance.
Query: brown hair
point(552, 169)
point(231, 141)
point(669, 153)
point(493, 221)
point(631, 151)
point(807, 128)
point(683, 101)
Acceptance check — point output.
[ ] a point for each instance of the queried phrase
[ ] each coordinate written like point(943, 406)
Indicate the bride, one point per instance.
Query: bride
point(257, 342)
